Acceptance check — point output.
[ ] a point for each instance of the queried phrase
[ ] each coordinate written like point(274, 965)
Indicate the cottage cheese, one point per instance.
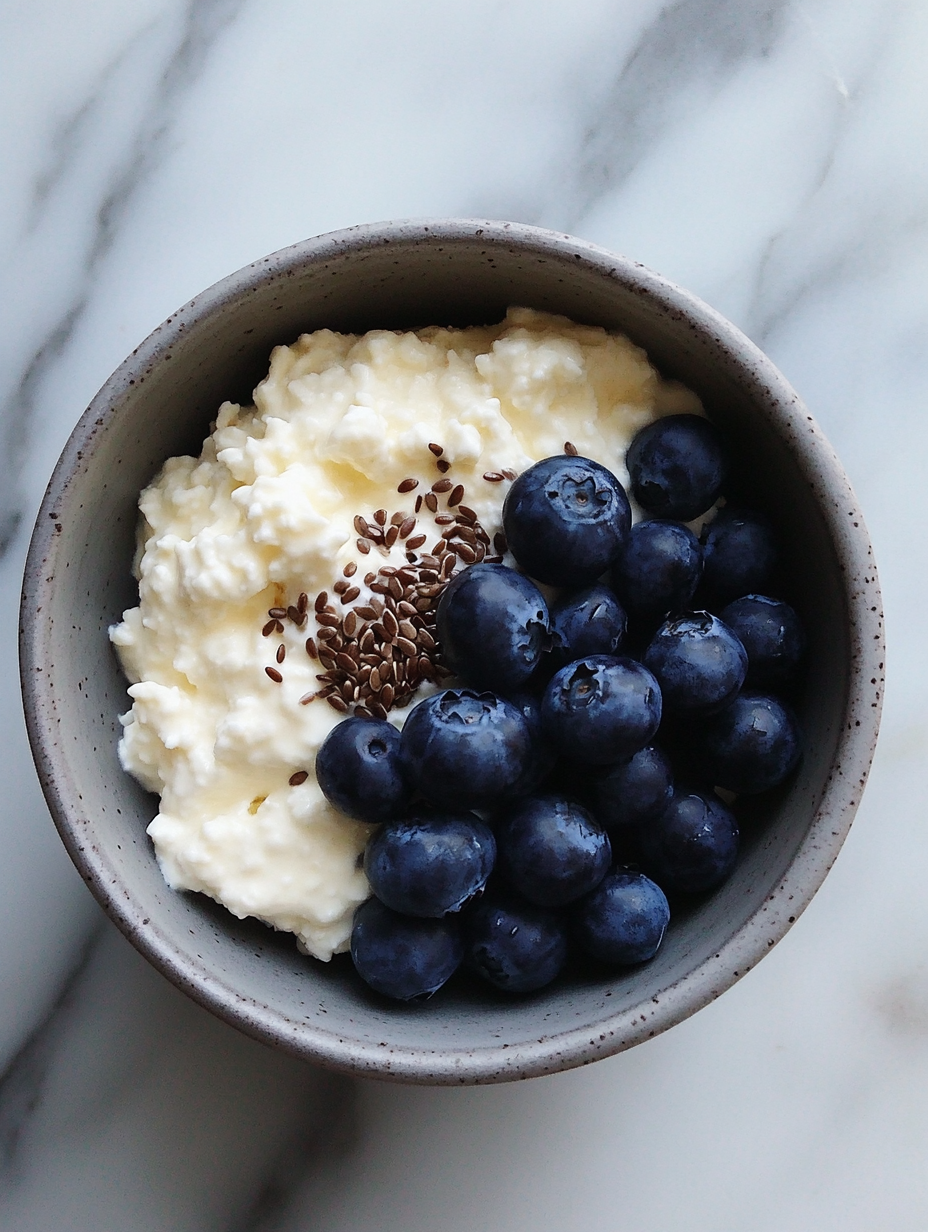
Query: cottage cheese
point(266, 511)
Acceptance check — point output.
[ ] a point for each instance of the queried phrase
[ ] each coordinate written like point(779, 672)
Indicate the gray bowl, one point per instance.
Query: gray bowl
point(78, 582)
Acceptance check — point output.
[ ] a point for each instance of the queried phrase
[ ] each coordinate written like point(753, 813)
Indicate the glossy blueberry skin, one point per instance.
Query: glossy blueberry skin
point(634, 791)
point(493, 627)
point(517, 947)
point(565, 519)
point(658, 569)
point(586, 622)
point(552, 850)
point(751, 745)
point(698, 662)
point(431, 863)
point(359, 771)
point(739, 553)
point(464, 749)
point(601, 709)
point(403, 957)
point(623, 920)
point(771, 634)
point(677, 466)
point(693, 845)
point(542, 756)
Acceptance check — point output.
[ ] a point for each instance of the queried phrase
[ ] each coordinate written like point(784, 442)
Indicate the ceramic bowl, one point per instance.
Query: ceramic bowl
point(78, 582)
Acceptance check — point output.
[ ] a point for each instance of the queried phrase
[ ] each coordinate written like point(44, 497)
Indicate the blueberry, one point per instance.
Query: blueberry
point(586, 622)
point(430, 863)
point(693, 845)
point(633, 791)
point(658, 569)
point(739, 552)
point(677, 467)
point(359, 771)
point(750, 745)
point(698, 662)
point(771, 634)
point(623, 920)
point(552, 850)
point(601, 709)
point(515, 946)
point(403, 957)
point(464, 749)
point(565, 520)
point(492, 626)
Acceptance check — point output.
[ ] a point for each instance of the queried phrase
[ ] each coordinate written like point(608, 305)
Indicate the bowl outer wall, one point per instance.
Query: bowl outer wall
point(77, 583)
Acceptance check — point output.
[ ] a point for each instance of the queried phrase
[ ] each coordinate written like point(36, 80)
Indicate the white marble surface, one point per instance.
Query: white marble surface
point(770, 156)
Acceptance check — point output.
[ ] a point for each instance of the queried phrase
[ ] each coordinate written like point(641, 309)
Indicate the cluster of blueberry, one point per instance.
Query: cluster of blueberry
point(538, 781)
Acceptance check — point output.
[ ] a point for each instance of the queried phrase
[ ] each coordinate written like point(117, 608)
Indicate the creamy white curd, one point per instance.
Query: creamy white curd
point(266, 512)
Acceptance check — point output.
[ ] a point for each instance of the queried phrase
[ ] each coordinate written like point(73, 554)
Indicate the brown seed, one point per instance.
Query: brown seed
point(442, 485)
point(366, 613)
point(480, 552)
point(423, 604)
point(303, 602)
point(269, 628)
point(375, 534)
point(425, 639)
point(445, 519)
point(570, 449)
point(408, 630)
point(351, 622)
point(509, 473)
point(294, 614)
point(386, 696)
point(396, 588)
point(493, 560)
point(415, 542)
point(300, 777)
point(396, 518)
point(391, 536)
point(406, 646)
point(405, 608)
point(380, 517)
point(457, 495)
point(350, 595)
point(350, 569)
point(390, 624)
point(345, 662)
point(443, 465)
point(377, 605)
point(466, 515)
point(431, 502)
point(407, 576)
point(499, 542)
point(465, 533)
point(363, 547)
point(425, 668)
point(362, 712)
point(387, 571)
point(326, 618)
point(321, 600)
point(348, 689)
point(418, 504)
point(340, 586)
point(447, 565)
point(307, 698)
point(311, 648)
point(326, 659)
point(374, 679)
point(337, 704)
point(365, 645)
point(274, 674)
point(492, 476)
point(281, 653)
point(407, 526)
point(482, 534)
point(277, 612)
point(436, 449)
point(326, 634)
point(378, 711)
point(407, 485)
point(361, 526)
point(466, 553)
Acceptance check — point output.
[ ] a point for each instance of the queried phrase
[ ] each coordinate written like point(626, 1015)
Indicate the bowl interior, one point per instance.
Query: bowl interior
point(161, 403)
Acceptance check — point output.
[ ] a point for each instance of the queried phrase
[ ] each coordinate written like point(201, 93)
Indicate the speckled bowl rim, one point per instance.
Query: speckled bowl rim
point(757, 934)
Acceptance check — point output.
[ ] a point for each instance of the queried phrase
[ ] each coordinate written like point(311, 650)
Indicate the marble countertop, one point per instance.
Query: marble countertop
point(768, 155)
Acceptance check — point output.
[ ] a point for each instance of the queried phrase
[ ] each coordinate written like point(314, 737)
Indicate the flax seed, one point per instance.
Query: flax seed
point(297, 779)
point(570, 449)
point(378, 711)
point(311, 648)
point(281, 653)
point(407, 485)
point(499, 542)
point(386, 696)
point(361, 526)
point(405, 608)
point(465, 533)
point(390, 624)
point(274, 674)
point(307, 698)
point(466, 553)
point(407, 647)
point(426, 668)
point(467, 515)
point(350, 595)
point(443, 465)
point(363, 547)
point(337, 704)
point(351, 622)
point(303, 602)
point(457, 495)
point(321, 600)
point(327, 660)
point(391, 536)
point(380, 517)
point(327, 618)
point(277, 612)
point(269, 628)
point(326, 634)
point(362, 712)
point(295, 615)
point(425, 639)
point(350, 569)
point(416, 542)
point(442, 485)
point(396, 588)
point(493, 476)
point(479, 552)
point(437, 450)
point(418, 504)
point(509, 473)
point(348, 689)
point(407, 526)
point(444, 519)
point(345, 662)
point(340, 586)
point(431, 502)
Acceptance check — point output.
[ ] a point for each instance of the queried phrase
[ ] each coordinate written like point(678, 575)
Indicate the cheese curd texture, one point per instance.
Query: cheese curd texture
point(266, 511)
